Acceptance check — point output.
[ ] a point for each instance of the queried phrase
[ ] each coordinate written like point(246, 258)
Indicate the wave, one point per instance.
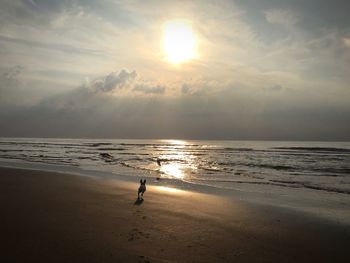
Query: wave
point(12, 150)
point(316, 149)
point(168, 160)
point(335, 171)
point(99, 144)
point(288, 184)
point(149, 144)
point(41, 159)
point(247, 163)
point(313, 187)
point(40, 143)
point(210, 169)
point(132, 154)
point(274, 167)
point(111, 149)
point(237, 149)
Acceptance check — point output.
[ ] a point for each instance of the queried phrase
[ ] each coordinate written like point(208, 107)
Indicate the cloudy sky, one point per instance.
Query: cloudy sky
point(263, 69)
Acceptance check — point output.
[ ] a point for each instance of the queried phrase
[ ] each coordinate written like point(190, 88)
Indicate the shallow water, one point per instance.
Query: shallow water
point(312, 177)
point(320, 166)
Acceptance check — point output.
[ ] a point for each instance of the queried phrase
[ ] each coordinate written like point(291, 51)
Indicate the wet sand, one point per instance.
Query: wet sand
point(53, 217)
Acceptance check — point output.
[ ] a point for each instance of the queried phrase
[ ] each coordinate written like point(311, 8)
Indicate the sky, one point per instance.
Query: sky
point(263, 70)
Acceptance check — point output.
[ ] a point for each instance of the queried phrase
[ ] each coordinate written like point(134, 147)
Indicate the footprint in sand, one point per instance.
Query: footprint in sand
point(137, 212)
point(137, 234)
point(144, 259)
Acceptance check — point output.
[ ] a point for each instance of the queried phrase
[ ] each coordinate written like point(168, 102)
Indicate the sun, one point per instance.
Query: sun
point(179, 42)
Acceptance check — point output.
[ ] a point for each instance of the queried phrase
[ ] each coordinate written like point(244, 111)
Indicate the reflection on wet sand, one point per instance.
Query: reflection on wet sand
point(169, 189)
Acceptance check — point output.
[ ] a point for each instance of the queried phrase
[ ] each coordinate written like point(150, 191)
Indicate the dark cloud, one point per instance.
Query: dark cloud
point(274, 88)
point(185, 89)
point(113, 11)
point(13, 72)
point(10, 85)
point(31, 12)
point(123, 80)
point(114, 80)
point(97, 110)
point(316, 13)
point(47, 6)
point(171, 118)
point(149, 89)
point(315, 16)
point(17, 91)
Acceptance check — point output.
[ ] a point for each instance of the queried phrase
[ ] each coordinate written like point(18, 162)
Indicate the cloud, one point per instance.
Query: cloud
point(123, 83)
point(274, 88)
point(185, 89)
point(116, 110)
point(17, 91)
point(114, 81)
point(149, 89)
point(32, 2)
point(13, 72)
point(60, 47)
point(263, 66)
point(281, 17)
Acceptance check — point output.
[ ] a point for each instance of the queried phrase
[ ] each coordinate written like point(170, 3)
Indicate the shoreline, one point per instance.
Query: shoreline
point(56, 217)
point(325, 205)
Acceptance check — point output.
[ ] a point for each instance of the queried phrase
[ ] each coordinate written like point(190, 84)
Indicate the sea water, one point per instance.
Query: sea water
point(313, 176)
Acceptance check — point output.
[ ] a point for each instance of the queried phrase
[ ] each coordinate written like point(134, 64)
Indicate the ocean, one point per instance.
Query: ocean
point(305, 175)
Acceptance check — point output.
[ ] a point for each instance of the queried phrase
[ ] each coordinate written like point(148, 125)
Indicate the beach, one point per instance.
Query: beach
point(56, 217)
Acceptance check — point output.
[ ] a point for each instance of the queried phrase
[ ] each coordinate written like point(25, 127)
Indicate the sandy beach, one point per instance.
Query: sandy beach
point(53, 217)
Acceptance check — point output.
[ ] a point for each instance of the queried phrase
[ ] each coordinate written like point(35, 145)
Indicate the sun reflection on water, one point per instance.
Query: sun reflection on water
point(177, 142)
point(173, 169)
point(176, 160)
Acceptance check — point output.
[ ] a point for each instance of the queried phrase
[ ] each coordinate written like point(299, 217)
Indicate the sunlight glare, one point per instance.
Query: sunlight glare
point(179, 142)
point(179, 42)
point(173, 169)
